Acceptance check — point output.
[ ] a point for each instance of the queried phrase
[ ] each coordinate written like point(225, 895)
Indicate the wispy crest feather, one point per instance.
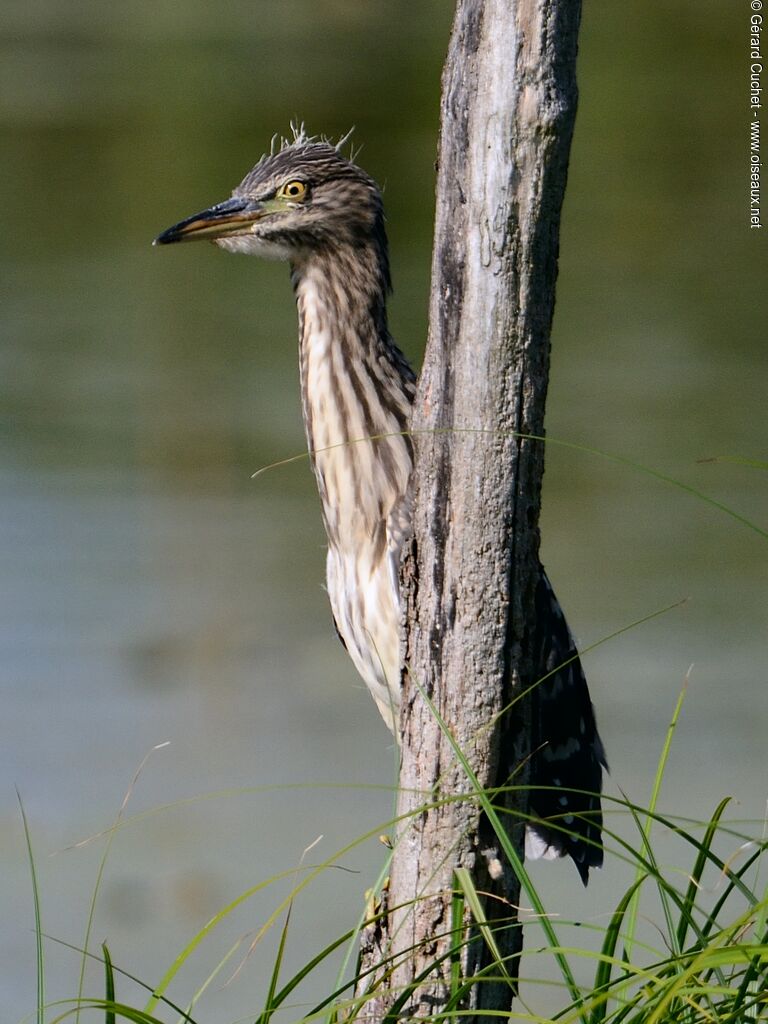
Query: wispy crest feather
point(301, 137)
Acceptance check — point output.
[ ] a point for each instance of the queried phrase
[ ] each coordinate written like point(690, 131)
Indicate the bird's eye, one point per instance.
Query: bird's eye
point(293, 190)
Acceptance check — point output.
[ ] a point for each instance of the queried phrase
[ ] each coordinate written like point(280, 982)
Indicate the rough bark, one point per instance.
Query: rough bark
point(507, 112)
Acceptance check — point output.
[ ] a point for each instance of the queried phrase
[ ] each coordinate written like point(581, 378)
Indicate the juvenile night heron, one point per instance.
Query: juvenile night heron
point(308, 204)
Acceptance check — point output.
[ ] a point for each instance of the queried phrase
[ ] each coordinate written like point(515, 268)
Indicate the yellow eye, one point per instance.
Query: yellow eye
point(293, 190)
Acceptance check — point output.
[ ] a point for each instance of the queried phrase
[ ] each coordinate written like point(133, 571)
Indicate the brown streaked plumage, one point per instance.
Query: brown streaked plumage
point(308, 204)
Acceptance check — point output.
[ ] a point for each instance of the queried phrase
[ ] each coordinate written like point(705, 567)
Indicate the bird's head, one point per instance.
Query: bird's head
point(305, 197)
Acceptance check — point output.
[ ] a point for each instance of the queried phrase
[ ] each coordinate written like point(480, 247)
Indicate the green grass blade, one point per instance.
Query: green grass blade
point(734, 882)
point(269, 1007)
point(309, 966)
point(467, 886)
point(646, 829)
point(457, 929)
point(620, 460)
point(121, 1010)
point(186, 1015)
point(608, 950)
point(755, 980)
point(38, 918)
point(665, 891)
point(123, 974)
point(735, 878)
point(109, 984)
point(702, 857)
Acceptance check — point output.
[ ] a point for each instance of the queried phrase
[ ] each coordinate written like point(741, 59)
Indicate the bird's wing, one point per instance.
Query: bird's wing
point(398, 533)
point(568, 754)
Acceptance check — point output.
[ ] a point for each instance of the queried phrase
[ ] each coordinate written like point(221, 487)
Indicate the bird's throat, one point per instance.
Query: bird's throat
point(357, 391)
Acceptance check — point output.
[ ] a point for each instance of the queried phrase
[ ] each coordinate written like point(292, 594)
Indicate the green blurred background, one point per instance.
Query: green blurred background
point(153, 591)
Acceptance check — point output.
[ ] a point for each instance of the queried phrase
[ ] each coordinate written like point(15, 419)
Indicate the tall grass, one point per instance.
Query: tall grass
point(686, 943)
point(708, 963)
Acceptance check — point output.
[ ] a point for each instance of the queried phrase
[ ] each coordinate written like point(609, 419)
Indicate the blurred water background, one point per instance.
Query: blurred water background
point(152, 591)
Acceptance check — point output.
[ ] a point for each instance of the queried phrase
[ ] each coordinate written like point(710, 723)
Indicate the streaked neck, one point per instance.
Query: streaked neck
point(355, 386)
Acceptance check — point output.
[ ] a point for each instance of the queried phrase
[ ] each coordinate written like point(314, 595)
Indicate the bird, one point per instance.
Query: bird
point(307, 203)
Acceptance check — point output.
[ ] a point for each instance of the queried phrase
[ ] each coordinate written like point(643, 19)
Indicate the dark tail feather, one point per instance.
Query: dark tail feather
point(567, 766)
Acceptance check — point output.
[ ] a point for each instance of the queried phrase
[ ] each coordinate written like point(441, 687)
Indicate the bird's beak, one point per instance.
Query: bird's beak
point(232, 217)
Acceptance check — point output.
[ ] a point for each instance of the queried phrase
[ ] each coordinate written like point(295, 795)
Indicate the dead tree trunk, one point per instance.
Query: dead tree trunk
point(507, 113)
